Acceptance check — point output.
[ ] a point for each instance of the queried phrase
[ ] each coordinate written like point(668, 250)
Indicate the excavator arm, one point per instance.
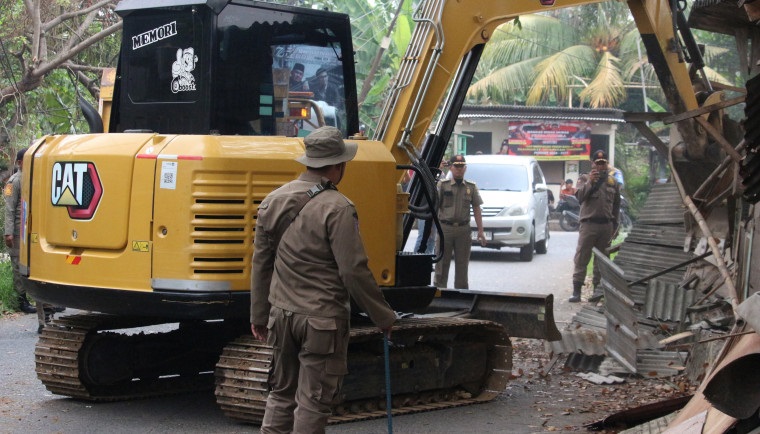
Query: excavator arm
point(444, 51)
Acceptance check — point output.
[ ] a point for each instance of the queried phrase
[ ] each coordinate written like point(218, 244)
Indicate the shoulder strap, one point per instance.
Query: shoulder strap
point(311, 193)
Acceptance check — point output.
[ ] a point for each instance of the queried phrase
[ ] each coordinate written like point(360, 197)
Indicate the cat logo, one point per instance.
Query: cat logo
point(76, 185)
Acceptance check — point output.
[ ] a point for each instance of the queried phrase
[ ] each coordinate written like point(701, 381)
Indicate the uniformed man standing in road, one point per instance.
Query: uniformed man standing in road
point(308, 261)
point(455, 197)
point(600, 208)
point(12, 193)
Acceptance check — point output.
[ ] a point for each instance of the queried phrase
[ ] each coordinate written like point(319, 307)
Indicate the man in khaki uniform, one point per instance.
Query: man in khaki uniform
point(600, 208)
point(306, 265)
point(12, 194)
point(455, 197)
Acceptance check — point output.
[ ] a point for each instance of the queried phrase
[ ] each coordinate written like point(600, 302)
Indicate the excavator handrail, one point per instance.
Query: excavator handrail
point(411, 58)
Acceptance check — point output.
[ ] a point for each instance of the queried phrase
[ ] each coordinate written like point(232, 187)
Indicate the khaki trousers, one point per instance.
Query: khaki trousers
point(590, 235)
point(308, 366)
point(457, 241)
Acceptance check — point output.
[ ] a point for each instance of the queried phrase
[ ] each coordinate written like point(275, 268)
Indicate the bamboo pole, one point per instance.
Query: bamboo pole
point(720, 263)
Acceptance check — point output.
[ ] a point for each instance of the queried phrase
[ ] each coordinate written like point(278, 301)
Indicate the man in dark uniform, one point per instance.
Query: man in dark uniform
point(297, 83)
point(600, 208)
point(455, 197)
point(308, 260)
point(323, 89)
point(12, 193)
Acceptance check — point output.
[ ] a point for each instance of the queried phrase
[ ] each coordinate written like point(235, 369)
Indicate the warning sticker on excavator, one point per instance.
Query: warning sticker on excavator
point(140, 246)
point(73, 260)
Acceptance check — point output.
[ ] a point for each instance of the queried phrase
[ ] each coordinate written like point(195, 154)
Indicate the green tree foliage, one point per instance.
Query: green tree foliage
point(45, 48)
point(569, 56)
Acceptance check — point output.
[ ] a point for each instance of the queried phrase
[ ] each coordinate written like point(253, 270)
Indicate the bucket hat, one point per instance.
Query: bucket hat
point(325, 146)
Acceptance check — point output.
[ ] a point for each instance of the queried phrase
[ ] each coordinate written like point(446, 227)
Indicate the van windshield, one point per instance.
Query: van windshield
point(499, 177)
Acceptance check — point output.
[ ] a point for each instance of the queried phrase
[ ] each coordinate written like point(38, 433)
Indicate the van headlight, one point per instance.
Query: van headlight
point(516, 210)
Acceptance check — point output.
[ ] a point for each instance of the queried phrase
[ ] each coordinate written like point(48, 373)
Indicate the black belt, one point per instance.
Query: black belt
point(447, 222)
point(600, 220)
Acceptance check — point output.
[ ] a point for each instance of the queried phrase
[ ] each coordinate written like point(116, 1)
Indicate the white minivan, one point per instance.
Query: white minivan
point(515, 203)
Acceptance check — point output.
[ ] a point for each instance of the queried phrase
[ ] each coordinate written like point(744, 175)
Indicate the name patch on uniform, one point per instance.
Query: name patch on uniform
point(76, 186)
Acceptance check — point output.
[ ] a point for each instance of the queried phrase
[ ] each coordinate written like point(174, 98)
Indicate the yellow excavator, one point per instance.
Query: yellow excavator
point(148, 220)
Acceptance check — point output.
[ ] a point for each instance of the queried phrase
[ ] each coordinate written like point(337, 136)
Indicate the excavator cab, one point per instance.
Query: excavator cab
point(225, 69)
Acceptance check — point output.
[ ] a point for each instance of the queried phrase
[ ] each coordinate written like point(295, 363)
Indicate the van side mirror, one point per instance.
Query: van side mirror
point(539, 187)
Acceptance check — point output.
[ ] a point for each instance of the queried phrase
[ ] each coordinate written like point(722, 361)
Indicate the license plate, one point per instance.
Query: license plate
point(489, 236)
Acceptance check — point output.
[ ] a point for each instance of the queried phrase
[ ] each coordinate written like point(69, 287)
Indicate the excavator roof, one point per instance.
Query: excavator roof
point(126, 6)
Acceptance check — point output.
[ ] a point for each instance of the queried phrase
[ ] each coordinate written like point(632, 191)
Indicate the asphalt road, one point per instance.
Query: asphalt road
point(26, 406)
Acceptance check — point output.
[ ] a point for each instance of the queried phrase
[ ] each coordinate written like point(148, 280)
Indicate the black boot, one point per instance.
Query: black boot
point(24, 306)
point(598, 293)
point(576, 292)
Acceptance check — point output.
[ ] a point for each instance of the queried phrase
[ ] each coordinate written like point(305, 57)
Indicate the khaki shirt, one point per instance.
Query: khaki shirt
point(455, 200)
point(602, 202)
point(12, 193)
point(320, 261)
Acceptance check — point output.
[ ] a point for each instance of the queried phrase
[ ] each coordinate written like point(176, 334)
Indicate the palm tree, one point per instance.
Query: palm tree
point(542, 58)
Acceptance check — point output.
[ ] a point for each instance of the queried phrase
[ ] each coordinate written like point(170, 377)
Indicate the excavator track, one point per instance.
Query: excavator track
point(77, 357)
point(420, 345)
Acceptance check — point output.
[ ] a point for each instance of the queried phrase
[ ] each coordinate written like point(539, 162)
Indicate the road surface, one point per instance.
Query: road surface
point(26, 406)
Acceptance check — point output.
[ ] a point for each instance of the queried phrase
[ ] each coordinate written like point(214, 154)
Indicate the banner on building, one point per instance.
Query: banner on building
point(550, 140)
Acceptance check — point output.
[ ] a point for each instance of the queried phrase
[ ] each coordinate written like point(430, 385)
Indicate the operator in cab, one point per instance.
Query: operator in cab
point(308, 261)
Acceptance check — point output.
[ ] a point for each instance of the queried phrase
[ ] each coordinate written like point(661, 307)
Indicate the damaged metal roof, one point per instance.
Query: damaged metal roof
point(515, 112)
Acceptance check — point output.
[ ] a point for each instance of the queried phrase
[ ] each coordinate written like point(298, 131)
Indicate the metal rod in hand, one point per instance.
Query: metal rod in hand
point(388, 403)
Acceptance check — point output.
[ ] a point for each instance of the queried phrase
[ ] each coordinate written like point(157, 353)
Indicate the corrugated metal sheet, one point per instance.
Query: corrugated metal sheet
point(591, 316)
point(580, 340)
point(583, 363)
point(601, 379)
point(666, 301)
point(611, 366)
point(660, 235)
point(612, 274)
point(705, 3)
point(652, 258)
point(639, 261)
point(656, 426)
point(663, 206)
point(647, 340)
point(655, 363)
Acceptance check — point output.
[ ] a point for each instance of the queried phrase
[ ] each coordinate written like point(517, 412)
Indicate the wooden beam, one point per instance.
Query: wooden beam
point(646, 116)
point(648, 134)
point(705, 109)
point(729, 148)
